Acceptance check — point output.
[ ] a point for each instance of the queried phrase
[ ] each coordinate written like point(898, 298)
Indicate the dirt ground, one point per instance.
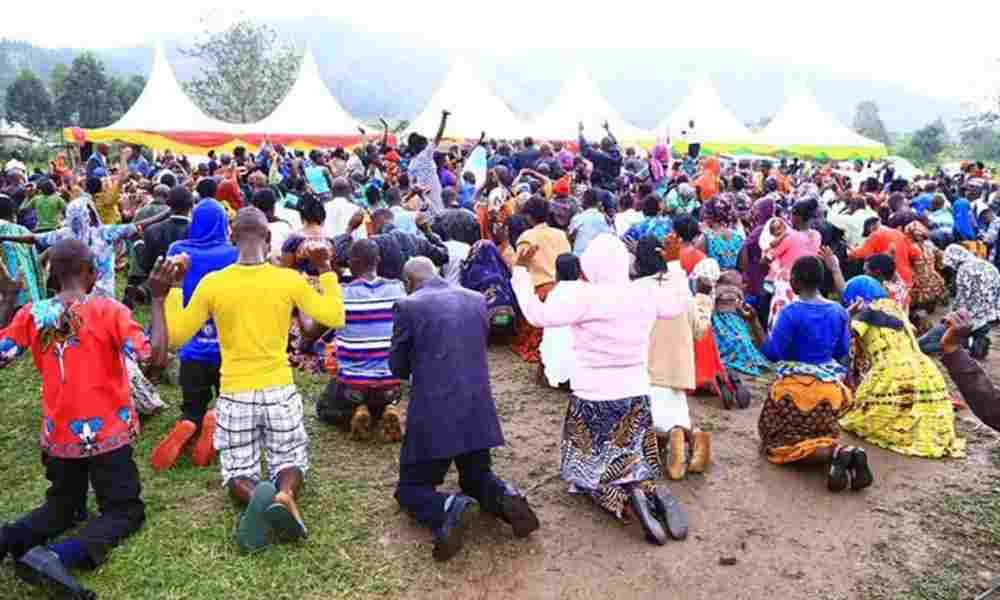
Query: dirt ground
point(756, 530)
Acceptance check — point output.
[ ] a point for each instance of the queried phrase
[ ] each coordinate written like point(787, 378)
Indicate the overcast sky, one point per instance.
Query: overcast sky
point(944, 51)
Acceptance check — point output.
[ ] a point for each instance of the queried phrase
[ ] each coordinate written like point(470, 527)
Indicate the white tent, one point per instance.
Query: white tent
point(581, 101)
point(713, 121)
point(801, 122)
point(474, 107)
point(308, 111)
point(11, 131)
point(164, 107)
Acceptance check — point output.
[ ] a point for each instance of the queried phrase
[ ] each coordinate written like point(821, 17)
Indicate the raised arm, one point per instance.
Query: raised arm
point(328, 307)
point(385, 134)
point(19, 239)
point(833, 265)
point(559, 308)
point(440, 132)
point(973, 383)
point(190, 319)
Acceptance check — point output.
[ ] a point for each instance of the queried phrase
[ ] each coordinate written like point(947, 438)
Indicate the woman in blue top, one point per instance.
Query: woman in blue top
point(720, 239)
point(798, 421)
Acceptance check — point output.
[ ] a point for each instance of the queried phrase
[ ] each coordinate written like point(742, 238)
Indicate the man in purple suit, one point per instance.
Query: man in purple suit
point(439, 340)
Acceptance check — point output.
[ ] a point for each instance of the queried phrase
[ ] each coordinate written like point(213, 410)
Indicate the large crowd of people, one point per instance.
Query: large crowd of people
point(631, 278)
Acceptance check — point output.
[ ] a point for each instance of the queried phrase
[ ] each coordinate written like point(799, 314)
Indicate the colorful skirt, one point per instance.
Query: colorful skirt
point(528, 338)
point(800, 414)
point(928, 287)
point(736, 346)
point(708, 367)
point(608, 446)
point(903, 405)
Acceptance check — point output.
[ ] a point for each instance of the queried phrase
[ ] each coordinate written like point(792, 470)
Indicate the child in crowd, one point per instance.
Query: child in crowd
point(79, 343)
point(557, 342)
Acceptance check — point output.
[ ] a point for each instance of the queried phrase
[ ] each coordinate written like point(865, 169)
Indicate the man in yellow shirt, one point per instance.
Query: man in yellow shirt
point(251, 304)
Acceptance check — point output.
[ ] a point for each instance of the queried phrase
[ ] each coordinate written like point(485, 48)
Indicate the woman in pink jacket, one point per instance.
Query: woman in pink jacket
point(609, 447)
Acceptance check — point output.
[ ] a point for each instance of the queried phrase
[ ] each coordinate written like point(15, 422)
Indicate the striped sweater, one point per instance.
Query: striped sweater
point(363, 344)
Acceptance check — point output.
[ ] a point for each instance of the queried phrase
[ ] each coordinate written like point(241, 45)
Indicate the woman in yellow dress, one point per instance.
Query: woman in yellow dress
point(902, 403)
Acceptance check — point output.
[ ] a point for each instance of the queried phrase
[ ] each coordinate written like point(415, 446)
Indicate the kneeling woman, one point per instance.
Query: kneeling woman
point(609, 447)
point(799, 419)
point(903, 402)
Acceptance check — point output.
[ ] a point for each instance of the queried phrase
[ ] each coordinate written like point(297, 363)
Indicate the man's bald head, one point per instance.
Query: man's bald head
point(251, 222)
point(341, 187)
point(418, 271)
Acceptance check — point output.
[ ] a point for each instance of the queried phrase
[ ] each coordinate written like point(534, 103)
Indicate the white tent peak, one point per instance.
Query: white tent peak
point(163, 101)
point(474, 106)
point(308, 109)
point(801, 121)
point(713, 121)
point(580, 100)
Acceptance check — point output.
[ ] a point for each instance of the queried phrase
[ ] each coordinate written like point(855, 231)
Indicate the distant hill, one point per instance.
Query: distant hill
point(394, 75)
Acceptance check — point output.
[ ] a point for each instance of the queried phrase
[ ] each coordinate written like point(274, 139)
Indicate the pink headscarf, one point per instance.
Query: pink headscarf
point(660, 156)
point(605, 261)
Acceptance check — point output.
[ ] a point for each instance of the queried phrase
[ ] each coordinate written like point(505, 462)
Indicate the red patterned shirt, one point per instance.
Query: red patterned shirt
point(79, 352)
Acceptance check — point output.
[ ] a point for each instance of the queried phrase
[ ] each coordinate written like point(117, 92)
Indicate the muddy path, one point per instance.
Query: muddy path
point(757, 530)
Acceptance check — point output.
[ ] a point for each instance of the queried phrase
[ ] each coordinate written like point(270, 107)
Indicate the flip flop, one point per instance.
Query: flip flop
point(253, 529)
point(284, 522)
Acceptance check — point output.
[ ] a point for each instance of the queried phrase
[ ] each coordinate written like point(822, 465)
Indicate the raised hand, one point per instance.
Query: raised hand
point(959, 328)
point(671, 249)
point(320, 257)
point(525, 255)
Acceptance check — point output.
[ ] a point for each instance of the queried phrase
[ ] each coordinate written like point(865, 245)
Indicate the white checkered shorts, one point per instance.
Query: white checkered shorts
point(248, 420)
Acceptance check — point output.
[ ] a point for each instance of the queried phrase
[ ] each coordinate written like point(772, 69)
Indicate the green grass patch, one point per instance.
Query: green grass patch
point(945, 545)
point(185, 548)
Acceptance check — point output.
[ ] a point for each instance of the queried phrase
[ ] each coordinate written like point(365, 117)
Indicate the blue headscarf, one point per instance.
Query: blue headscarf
point(865, 288)
point(966, 228)
point(209, 248)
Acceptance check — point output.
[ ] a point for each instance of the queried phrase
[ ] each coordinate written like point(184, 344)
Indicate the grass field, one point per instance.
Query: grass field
point(932, 533)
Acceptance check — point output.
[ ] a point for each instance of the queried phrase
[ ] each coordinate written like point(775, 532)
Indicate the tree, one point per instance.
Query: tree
point(981, 143)
point(928, 141)
point(246, 71)
point(29, 103)
point(124, 92)
point(57, 86)
point(868, 123)
point(86, 97)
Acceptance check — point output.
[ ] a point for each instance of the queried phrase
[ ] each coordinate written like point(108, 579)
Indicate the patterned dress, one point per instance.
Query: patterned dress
point(928, 284)
point(800, 415)
point(735, 341)
point(725, 251)
point(903, 402)
point(607, 446)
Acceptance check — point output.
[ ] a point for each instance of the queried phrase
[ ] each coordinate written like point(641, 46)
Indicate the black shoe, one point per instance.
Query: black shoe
point(861, 474)
point(980, 348)
point(449, 537)
point(650, 524)
point(837, 480)
point(41, 566)
point(670, 511)
point(515, 510)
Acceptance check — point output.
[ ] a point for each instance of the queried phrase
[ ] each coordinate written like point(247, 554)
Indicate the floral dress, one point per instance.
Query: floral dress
point(101, 239)
point(725, 251)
